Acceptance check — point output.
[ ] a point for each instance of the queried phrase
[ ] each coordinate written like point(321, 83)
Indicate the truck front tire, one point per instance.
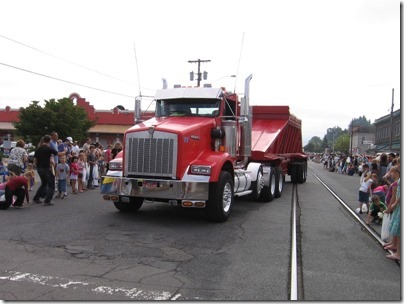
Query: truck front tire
point(221, 198)
point(133, 206)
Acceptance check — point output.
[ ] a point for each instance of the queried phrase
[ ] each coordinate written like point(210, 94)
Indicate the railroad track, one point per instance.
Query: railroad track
point(296, 286)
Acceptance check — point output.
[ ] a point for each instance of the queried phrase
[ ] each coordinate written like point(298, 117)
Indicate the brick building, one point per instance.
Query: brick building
point(388, 132)
point(110, 124)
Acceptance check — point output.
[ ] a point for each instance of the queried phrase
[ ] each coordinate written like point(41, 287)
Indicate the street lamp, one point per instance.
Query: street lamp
point(333, 141)
point(232, 76)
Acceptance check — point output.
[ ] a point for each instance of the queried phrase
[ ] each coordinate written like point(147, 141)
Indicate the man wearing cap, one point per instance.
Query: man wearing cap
point(75, 148)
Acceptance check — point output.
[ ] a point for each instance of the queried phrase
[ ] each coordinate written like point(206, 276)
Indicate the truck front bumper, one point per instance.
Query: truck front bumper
point(195, 188)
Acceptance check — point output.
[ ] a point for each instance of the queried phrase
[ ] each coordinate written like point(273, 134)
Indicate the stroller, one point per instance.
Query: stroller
point(3, 172)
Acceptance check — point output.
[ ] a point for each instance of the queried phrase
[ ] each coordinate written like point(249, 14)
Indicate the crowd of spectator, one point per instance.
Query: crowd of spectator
point(379, 189)
point(59, 165)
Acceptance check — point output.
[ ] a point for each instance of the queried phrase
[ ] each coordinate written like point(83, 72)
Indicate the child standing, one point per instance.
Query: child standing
point(62, 173)
point(365, 173)
point(365, 190)
point(74, 173)
point(82, 170)
point(31, 181)
point(91, 160)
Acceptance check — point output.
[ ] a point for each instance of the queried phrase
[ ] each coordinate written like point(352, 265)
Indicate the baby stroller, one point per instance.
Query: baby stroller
point(3, 172)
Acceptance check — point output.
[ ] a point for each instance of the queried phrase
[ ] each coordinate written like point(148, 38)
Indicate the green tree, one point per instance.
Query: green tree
point(61, 116)
point(325, 143)
point(343, 142)
point(315, 145)
point(360, 122)
point(332, 135)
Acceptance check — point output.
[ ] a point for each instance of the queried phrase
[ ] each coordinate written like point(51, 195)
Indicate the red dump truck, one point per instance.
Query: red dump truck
point(205, 146)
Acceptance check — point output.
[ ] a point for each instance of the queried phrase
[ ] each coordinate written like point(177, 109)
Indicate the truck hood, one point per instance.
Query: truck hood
point(179, 124)
point(193, 134)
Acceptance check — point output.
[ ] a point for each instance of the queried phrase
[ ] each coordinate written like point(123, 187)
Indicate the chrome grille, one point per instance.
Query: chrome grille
point(151, 156)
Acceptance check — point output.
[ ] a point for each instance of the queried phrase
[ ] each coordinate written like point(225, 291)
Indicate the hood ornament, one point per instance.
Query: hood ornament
point(151, 131)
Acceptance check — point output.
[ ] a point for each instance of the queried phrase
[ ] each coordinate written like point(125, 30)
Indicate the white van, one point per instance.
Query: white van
point(7, 146)
point(378, 154)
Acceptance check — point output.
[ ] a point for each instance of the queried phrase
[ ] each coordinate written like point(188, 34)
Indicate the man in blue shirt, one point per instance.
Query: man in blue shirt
point(54, 145)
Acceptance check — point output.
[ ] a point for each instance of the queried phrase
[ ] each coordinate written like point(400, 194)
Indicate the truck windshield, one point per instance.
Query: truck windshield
point(188, 107)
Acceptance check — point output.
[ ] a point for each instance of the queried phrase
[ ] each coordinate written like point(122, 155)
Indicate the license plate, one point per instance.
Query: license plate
point(125, 199)
point(150, 185)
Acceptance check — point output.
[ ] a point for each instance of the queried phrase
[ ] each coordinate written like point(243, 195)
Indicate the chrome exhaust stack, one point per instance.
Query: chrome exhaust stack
point(245, 125)
point(138, 101)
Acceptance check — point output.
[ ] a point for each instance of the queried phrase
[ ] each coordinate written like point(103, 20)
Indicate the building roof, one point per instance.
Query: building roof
point(388, 117)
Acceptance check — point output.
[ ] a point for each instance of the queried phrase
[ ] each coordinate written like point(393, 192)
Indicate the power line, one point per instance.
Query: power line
point(67, 81)
point(65, 60)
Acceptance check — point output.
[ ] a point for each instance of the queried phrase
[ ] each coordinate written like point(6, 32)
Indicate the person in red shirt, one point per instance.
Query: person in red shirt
point(108, 156)
point(17, 186)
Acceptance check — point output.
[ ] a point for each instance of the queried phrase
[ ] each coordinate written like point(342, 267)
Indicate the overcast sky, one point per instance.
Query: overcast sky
point(329, 61)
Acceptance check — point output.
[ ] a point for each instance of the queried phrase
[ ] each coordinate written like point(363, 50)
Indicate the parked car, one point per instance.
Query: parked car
point(31, 157)
point(7, 146)
point(378, 154)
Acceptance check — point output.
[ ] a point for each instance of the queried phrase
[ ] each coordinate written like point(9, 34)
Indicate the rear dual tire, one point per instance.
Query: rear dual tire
point(269, 191)
point(298, 173)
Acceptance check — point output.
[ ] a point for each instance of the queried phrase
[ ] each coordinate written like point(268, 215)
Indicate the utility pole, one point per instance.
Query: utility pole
point(351, 135)
point(391, 120)
point(205, 74)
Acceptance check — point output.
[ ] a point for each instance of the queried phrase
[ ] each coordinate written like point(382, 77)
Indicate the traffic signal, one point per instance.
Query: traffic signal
point(191, 76)
point(205, 75)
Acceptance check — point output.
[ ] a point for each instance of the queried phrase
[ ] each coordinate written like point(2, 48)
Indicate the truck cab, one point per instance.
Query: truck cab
point(196, 152)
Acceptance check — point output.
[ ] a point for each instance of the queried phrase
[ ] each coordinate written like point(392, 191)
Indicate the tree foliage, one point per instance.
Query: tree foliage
point(61, 116)
point(315, 145)
point(361, 121)
point(337, 139)
point(342, 143)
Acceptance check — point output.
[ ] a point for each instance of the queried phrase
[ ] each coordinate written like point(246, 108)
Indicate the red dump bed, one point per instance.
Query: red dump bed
point(274, 132)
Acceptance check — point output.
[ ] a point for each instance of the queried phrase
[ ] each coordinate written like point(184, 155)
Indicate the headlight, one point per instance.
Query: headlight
point(201, 170)
point(115, 165)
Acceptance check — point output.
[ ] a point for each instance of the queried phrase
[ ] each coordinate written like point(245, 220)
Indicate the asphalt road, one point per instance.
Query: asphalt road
point(341, 261)
point(84, 249)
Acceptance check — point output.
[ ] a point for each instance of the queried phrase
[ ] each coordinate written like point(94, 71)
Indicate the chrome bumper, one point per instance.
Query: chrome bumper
point(195, 189)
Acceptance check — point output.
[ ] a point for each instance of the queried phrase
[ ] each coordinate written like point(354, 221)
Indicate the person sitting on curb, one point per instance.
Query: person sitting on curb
point(375, 207)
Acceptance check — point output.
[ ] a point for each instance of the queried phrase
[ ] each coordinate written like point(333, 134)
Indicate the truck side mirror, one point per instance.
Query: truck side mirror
point(217, 133)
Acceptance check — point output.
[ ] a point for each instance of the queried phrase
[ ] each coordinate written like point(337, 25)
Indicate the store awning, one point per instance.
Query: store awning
point(109, 129)
point(395, 146)
point(7, 126)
